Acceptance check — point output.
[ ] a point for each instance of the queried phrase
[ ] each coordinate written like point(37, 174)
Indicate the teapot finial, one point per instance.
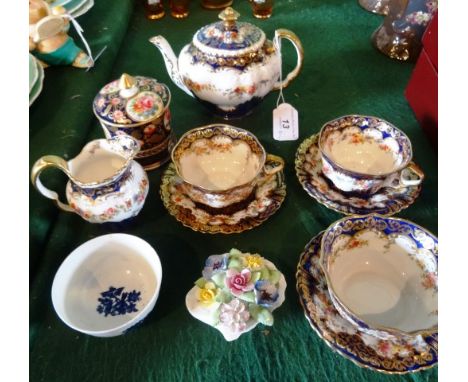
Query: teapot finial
point(127, 85)
point(229, 16)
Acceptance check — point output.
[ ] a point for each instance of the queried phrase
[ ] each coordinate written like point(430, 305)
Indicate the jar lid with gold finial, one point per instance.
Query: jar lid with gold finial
point(131, 101)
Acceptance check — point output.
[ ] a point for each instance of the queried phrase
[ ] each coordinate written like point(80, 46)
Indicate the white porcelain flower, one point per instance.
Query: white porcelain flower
point(234, 315)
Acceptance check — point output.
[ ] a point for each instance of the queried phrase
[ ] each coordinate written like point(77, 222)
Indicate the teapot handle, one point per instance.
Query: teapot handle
point(40, 165)
point(287, 34)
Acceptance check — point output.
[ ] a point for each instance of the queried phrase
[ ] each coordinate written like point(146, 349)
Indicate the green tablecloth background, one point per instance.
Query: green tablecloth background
point(342, 74)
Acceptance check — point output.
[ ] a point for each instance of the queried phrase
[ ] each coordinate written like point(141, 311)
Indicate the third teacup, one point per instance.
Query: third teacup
point(363, 154)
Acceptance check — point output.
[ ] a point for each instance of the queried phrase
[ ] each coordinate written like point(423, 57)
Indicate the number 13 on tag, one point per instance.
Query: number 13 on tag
point(285, 123)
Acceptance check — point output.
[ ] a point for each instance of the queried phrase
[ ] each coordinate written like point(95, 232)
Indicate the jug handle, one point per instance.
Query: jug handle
point(40, 165)
point(287, 34)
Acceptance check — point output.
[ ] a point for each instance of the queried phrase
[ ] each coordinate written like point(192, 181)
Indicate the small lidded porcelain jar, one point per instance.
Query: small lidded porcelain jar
point(138, 106)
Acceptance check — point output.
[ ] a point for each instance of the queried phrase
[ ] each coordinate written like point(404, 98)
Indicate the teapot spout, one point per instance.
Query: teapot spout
point(171, 62)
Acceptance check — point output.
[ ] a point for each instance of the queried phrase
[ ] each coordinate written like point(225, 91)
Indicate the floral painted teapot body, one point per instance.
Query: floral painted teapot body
point(229, 66)
point(106, 184)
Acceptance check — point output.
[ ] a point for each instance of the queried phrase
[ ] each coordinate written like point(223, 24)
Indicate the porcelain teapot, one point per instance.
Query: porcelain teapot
point(105, 183)
point(229, 66)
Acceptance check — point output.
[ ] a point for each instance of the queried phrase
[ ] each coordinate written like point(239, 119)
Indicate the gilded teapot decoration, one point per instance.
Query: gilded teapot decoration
point(229, 66)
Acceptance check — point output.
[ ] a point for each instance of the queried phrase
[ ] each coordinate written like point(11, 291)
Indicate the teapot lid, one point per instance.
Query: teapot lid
point(229, 37)
point(131, 101)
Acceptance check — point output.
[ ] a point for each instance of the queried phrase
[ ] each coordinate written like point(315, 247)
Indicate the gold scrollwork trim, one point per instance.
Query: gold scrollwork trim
point(236, 61)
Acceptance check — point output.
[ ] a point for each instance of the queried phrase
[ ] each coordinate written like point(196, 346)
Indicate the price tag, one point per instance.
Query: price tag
point(285, 123)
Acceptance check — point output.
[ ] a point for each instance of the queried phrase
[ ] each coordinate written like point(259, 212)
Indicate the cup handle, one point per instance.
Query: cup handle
point(287, 34)
point(40, 165)
point(411, 175)
point(273, 164)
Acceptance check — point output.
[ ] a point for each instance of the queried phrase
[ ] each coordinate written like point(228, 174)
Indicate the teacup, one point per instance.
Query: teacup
point(220, 165)
point(363, 154)
point(382, 275)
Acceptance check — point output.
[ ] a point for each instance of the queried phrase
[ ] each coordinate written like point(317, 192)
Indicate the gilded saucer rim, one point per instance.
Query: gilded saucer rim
point(241, 226)
point(298, 165)
point(37, 87)
point(301, 279)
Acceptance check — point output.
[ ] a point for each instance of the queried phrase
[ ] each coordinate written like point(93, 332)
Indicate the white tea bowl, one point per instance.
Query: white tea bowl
point(382, 275)
point(107, 285)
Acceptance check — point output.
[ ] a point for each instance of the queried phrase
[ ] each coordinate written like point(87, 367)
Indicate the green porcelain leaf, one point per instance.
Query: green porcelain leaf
point(235, 252)
point(274, 276)
point(218, 279)
point(236, 263)
point(265, 317)
point(256, 276)
point(248, 296)
point(222, 297)
point(200, 282)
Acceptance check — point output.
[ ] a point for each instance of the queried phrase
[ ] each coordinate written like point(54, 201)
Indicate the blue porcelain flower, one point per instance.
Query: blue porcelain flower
point(214, 264)
point(266, 293)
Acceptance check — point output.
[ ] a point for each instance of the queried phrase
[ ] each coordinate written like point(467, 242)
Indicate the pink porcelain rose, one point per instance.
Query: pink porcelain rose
point(237, 282)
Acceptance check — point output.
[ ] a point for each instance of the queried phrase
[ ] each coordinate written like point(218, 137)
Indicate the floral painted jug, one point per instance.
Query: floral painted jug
point(400, 34)
point(105, 183)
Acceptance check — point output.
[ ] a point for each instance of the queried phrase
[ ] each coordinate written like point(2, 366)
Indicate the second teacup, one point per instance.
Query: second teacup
point(363, 154)
point(220, 164)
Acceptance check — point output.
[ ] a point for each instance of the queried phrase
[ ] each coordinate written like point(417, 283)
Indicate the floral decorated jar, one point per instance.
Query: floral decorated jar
point(105, 183)
point(229, 66)
point(237, 291)
point(138, 106)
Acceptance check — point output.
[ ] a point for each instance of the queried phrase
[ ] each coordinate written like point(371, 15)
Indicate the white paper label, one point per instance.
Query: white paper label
point(285, 123)
point(153, 2)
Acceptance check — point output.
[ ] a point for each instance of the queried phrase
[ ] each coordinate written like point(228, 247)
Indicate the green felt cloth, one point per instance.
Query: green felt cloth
point(342, 74)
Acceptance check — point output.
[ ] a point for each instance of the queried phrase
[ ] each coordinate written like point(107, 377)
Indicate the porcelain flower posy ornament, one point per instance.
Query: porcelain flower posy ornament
point(237, 291)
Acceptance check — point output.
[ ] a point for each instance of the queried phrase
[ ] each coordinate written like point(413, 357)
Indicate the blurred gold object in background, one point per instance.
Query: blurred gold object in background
point(179, 8)
point(262, 9)
point(216, 4)
point(154, 9)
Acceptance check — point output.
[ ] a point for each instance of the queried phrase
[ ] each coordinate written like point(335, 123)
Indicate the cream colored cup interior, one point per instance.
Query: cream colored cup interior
point(384, 281)
point(365, 152)
point(219, 163)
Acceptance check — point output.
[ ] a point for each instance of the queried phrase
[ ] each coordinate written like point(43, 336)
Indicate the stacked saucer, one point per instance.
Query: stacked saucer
point(75, 8)
point(36, 77)
point(368, 287)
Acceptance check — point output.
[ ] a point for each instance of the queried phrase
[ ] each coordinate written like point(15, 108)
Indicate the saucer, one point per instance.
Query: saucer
point(74, 7)
point(33, 72)
point(264, 202)
point(386, 201)
point(37, 86)
point(365, 350)
point(81, 8)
